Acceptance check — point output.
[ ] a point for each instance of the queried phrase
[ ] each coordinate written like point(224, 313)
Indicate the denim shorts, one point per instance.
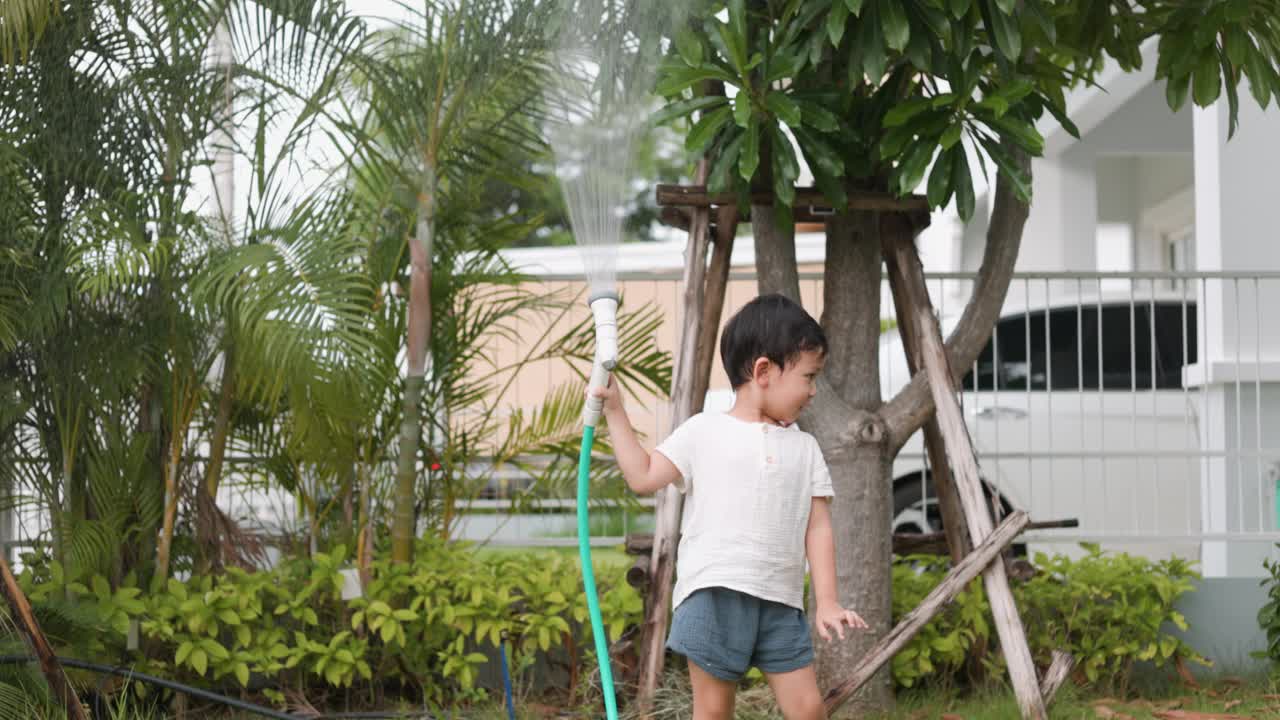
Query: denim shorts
point(726, 632)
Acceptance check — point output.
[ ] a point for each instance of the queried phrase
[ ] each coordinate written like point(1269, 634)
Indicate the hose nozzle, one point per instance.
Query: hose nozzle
point(604, 308)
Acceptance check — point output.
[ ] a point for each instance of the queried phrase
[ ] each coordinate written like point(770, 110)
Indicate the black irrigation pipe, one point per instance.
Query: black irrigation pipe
point(194, 691)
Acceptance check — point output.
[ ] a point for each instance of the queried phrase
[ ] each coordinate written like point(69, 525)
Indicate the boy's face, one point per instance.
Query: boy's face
point(790, 389)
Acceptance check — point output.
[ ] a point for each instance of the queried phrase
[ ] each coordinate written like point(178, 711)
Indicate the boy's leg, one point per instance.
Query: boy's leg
point(797, 694)
point(712, 697)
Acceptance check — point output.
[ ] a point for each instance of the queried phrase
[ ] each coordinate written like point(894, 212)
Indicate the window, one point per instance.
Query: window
point(1021, 356)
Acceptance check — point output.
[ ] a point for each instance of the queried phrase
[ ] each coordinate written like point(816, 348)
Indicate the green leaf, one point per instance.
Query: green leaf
point(785, 65)
point(894, 24)
point(750, 158)
point(820, 153)
point(242, 674)
point(1003, 30)
point(1061, 116)
point(1021, 183)
point(1176, 91)
point(199, 661)
point(704, 131)
point(734, 35)
point(738, 18)
point(855, 7)
point(1207, 82)
point(1260, 77)
point(959, 8)
point(910, 170)
point(818, 117)
point(785, 168)
point(1006, 6)
point(1021, 131)
point(742, 109)
point(837, 19)
point(784, 107)
point(681, 108)
point(718, 179)
point(962, 184)
point(904, 111)
point(951, 136)
point(940, 179)
point(184, 651)
point(689, 47)
point(101, 588)
point(1238, 45)
point(676, 78)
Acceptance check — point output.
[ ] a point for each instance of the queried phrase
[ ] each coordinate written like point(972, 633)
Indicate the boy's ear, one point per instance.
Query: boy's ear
point(760, 370)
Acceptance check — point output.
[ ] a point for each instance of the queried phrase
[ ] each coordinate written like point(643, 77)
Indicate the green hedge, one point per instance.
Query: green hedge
point(1109, 611)
point(420, 629)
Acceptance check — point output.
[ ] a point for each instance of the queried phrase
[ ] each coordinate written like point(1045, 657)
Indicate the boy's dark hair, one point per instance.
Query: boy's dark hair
point(770, 326)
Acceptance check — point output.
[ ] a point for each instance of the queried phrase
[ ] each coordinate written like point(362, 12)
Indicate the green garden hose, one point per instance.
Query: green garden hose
point(604, 308)
point(588, 575)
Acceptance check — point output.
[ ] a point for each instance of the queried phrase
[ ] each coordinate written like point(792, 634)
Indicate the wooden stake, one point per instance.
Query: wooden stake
point(713, 302)
point(669, 500)
point(907, 283)
point(960, 576)
point(26, 622)
point(1013, 640)
point(1059, 669)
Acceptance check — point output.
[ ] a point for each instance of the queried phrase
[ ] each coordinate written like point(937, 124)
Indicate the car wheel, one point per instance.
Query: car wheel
point(917, 511)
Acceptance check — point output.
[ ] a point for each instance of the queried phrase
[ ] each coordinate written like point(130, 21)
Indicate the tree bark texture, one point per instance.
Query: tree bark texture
point(843, 419)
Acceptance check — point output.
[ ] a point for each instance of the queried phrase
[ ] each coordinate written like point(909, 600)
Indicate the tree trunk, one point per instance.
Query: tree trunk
point(420, 247)
point(776, 270)
point(844, 421)
point(217, 454)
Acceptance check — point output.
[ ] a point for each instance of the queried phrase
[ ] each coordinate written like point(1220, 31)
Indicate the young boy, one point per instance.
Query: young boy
point(756, 506)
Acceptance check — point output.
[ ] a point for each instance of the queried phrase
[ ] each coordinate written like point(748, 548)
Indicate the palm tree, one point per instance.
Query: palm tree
point(448, 95)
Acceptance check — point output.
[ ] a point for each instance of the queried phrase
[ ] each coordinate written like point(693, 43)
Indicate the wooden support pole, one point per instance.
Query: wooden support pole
point(936, 543)
point(1013, 640)
point(952, 585)
point(717, 284)
point(806, 197)
point(26, 622)
point(669, 500)
point(907, 283)
point(1058, 672)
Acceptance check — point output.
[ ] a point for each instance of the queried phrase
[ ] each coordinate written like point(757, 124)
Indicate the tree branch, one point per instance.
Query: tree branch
point(908, 411)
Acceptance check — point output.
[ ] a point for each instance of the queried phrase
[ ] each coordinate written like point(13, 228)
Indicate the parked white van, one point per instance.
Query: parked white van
point(1073, 417)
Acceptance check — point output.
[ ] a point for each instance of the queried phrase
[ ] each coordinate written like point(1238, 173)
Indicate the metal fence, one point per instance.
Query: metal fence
point(1144, 404)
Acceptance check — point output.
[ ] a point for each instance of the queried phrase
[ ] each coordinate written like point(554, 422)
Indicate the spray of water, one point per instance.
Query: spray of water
point(607, 53)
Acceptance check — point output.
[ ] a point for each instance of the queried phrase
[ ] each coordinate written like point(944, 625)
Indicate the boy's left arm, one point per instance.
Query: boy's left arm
point(820, 547)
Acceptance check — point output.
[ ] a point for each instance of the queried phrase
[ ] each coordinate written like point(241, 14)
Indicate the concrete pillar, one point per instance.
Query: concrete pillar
point(1238, 368)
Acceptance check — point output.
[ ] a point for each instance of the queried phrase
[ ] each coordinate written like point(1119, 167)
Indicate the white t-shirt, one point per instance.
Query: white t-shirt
point(748, 491)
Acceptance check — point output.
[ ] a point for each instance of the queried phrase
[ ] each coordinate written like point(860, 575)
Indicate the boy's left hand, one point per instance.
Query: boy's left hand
point(834, 617)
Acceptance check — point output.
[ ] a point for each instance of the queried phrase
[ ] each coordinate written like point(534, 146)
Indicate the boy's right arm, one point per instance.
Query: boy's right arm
point(646, 472)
